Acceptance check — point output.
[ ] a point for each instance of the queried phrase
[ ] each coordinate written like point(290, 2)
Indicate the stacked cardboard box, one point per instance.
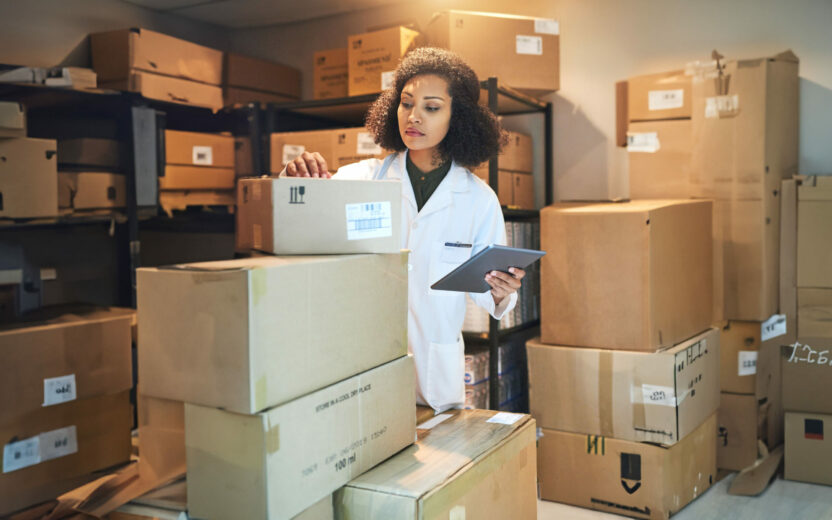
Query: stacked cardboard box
point(301, 398)
point(158, 67)
point(807, 370)
point(372, 58)
point(331, 74)
point(626, 356)
point(515, 186)
point(198, 167)
point(338, 146)
point(251, 80)
point(88, 176)
point(64, 402)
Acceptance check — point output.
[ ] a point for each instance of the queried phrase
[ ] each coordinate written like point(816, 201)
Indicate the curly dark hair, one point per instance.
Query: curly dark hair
point(474, 134)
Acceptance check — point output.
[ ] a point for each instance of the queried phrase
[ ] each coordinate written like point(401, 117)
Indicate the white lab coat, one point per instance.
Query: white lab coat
point(462, 210)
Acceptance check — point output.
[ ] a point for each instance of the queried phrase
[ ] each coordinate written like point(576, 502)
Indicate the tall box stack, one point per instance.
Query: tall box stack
point(300, 401)
point(158, 67)
point(624, 380)
point(199, 169)
point(515, 186)
point(806, 363)
point(251, 80)
point(64, 404)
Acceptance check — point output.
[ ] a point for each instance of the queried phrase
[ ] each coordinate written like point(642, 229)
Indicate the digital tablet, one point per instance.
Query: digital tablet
point(470, 276)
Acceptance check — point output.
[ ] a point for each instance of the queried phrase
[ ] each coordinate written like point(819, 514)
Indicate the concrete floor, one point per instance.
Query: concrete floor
point(782, 500)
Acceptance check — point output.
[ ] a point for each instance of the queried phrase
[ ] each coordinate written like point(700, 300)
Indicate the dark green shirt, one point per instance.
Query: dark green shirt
point(424, 184)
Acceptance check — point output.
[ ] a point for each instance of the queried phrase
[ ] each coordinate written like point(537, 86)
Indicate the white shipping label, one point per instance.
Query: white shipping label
point(661, 395)
point(291, 152)
point(546, 26)
point(58, 390)
point(529, 45)
point(457, 513)
point(746, 362)
point(21, 454)
point(430, 423)
point(720, 106)
point(203, 155)
point(773, 327)
point(369, 220)
point(387, 79)
point(34, 450)
point(505, 418)
point(366, 145)
point(665, 99)
point(645, 142)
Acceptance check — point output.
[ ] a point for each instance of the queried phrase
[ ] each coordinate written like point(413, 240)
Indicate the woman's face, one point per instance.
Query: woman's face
point(424, 112)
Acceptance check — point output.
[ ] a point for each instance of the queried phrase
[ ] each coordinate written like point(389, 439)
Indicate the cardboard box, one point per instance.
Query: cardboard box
point(197, 178)
point(745, 128)
point(257, 351)
point(742, 421)
point(199, 149)
point(517, 154)
point(161, 425)
point(635, 396)
point(234, 97)
point(622, 477)
point(372, 57)
point(91, 190)
point(243, 159)
point(747, 364)
point(814, 232)
point(465, 464)
point(330, 74)
point(666, 95)
point(521, 51)
point(171, 90)
point(615, 273)
point(338, 216)
point(807, 375)
point(788, 257)
point(28, 178)
point(277, 463)
point(47, 451)
point(621, 113)
point(808, 452)
point(89, 152)
point(659, 155)
point(116, 54)
point(505, 184)
point(266, 76)
point(72, 355)
point(339, 147)
point(12, 119)
point(814, 311)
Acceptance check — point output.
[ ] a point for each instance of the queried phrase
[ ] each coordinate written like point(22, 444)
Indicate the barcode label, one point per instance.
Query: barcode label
point(646, 142)
point(665, 99)
point(291, 152)
point(366, 145)
point(773, 327)
point(722, 106)
point(529, 45)
point(21, 454)
point(369, 220)
point(546, 26)
point(660, 395)
point(57, 390)
point(746, 362)
point(34, 450)
point(203, 155)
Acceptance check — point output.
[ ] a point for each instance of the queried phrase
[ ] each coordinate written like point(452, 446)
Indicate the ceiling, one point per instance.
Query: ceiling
point(241, 14)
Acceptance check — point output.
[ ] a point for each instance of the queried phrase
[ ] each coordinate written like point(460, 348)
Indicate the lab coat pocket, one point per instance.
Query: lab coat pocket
point(446, 371)
point(447, 256)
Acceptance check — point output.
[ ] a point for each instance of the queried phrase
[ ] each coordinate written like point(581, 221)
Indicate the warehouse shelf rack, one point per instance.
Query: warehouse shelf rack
point(350, 111)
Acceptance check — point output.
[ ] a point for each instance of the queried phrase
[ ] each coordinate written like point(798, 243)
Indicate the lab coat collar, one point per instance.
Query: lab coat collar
point(457, 180)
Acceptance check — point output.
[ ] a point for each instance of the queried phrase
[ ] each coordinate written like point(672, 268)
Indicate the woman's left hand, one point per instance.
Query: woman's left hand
point(503, 284)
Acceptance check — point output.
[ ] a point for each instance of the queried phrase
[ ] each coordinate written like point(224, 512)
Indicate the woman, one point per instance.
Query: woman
point(432, 120)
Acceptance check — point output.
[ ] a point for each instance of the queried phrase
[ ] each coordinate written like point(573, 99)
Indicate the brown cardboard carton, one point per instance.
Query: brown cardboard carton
point(234, 97)
point(807, 375)
point(171, 90)
point(742, 421)
point(339, 147)
point(115, 54)
point(339, 216)
point(666, 95)
point(814, 312)
point(505, 184)
point(243, 161)
point(72, 354)
point(330, 72)
point(788, 256)
point(12, 119)
point(643, 397)
point(28, 178)
point(277, 463)
point(372, 58)
point(197, 178)
point(521, 51)
point(199, 149)
point(88, 152)
point(614, 273)
point(91, 190)
point(517, 153)
point(621, 113)
point(739, 344)
point(523, 190)
point(465, 464)
point(161, 437)
point(808, 454)
point(47, 451)
point(256, 74)
point(814, 233)
point(622, 477)
point(659, 154)
point(241, 348)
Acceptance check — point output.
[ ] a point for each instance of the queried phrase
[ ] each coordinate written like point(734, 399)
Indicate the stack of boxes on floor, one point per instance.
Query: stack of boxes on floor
point(65, 408)
point(806, 363)
point(727, 131)
point(624, 381)
point(293, 369)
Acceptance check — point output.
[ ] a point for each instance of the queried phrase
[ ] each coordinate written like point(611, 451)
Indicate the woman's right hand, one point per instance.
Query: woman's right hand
point(308, 164)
